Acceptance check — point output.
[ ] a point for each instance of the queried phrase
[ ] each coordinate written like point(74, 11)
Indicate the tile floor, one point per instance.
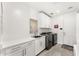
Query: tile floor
point(57, 51)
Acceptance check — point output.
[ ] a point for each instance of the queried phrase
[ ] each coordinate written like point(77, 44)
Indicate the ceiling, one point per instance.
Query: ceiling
point(55, 8)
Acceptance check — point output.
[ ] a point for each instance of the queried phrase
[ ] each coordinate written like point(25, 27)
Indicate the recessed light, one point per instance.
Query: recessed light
point(70, 7)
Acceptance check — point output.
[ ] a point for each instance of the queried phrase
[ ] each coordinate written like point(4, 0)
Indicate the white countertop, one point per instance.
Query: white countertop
point(15, 42)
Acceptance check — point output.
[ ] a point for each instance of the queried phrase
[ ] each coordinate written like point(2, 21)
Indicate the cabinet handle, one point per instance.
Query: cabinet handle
point(24, 52)
point(15, 49)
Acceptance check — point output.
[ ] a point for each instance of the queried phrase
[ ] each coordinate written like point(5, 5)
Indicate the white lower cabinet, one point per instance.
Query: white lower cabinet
point(30, 48)
point(17, 53)
point(39, 45)
point(24, 49)
point(14, 51)
point(42, 43)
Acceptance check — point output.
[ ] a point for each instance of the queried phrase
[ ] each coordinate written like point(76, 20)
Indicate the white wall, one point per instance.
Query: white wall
point(0, 28)
point(76, 47)
point(0, 19)
point(16, 21)
point(59, 20)
point(33, 13)
point(77, 28)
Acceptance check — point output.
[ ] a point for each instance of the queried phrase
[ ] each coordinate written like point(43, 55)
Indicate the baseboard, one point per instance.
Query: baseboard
point(68, 47)
point(40, 52)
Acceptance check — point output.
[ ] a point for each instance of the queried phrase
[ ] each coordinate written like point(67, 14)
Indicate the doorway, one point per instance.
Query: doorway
point(67, 28)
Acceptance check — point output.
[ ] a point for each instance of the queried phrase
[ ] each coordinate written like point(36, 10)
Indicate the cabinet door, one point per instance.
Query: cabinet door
point(42, 43)
point(44, 21)
point(37, 46)
point(18, 53)
point(69, 29)
point(30, 49)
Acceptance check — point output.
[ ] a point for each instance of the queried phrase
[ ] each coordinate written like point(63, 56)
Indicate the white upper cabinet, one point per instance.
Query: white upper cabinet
point(44, 21)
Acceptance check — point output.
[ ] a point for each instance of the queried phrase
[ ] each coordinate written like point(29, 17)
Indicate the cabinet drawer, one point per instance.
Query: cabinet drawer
point(17, 53)
point(12, 50)
point(19, 47)
point(27, 44)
